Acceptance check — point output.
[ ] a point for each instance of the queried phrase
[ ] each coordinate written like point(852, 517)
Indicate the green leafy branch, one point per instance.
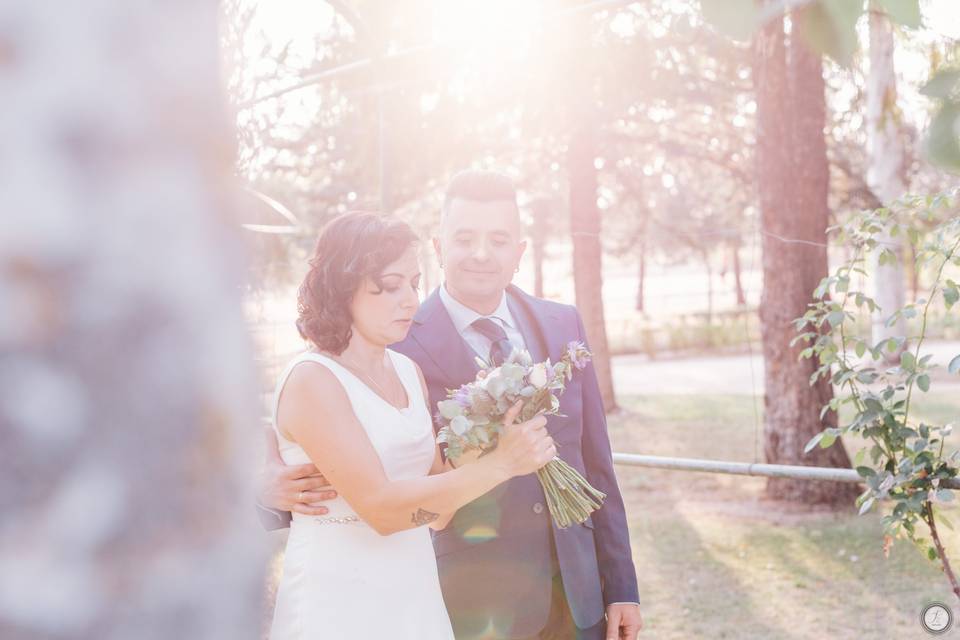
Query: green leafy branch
point(906, 458)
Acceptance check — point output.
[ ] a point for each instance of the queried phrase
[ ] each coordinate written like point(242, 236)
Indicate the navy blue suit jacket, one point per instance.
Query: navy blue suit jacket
point(494, 557)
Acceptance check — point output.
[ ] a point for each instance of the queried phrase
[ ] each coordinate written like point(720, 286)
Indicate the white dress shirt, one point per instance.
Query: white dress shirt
point(463, 318)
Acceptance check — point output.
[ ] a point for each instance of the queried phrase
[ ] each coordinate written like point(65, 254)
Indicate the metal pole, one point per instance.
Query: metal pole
point(797, 472)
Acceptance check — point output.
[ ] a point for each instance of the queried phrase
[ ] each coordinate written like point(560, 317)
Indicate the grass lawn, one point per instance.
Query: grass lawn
point(716, 560)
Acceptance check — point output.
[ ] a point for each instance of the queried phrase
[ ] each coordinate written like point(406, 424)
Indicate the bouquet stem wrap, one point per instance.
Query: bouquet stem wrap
point(570, 497)
point(472, 418)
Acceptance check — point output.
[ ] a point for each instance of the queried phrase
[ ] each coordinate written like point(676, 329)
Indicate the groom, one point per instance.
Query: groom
point(505, 569)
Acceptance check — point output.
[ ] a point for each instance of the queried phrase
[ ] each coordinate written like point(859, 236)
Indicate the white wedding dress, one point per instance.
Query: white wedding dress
point(341, 579)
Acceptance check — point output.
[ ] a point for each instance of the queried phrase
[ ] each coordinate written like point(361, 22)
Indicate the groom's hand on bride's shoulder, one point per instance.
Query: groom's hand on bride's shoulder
point(300, 488)
point(623, 621)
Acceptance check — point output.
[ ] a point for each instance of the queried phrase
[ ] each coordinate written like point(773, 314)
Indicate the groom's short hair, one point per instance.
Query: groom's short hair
point(479, 185)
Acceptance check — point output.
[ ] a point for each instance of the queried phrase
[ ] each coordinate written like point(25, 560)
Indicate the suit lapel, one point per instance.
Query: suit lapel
point(535, 318)
point(434, 331)
point(528, 325)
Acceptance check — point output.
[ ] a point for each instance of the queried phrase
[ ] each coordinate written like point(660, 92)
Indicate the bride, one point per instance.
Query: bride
point(358, 411)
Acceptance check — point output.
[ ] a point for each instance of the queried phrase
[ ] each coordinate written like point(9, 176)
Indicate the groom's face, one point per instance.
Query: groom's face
point(480, 247)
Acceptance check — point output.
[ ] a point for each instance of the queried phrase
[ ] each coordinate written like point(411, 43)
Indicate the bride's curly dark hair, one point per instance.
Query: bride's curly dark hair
point(351, 247)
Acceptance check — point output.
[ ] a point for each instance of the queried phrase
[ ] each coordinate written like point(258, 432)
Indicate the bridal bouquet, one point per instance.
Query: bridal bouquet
point(472, 418)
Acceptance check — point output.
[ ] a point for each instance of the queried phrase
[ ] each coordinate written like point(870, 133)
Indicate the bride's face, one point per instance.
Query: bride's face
point(383, 314)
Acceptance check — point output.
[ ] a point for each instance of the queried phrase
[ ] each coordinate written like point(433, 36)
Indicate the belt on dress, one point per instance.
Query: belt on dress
point(332, 520)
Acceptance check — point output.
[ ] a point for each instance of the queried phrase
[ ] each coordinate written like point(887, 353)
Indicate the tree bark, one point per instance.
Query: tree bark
point(641, 274)
point(127, 396)
point(792, 177)
point(705, 256)
point(885, 175)
point(738, 275)
point(541, 219)
point(587, 250)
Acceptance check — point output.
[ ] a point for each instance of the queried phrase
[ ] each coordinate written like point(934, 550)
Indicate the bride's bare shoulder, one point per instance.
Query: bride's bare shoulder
point(312, 382)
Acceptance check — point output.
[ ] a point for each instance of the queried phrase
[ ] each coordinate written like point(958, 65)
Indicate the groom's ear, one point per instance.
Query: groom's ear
point(436, 249)
point(521, 247)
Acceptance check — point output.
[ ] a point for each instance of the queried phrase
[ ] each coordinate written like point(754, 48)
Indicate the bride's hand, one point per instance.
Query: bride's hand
point(523, 447)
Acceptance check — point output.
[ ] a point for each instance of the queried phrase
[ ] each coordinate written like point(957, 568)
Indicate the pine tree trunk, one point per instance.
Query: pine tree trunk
point(127, 398)
point(738, 275)
point(538, 269)
point(541, 218)
point(792, 176)
point(885, 175)
point(427, 257)
point(587, 251)
point(641, 275)
point(705, 256)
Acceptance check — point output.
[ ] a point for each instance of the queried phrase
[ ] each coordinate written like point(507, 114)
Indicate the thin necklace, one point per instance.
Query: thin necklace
point(354, 367)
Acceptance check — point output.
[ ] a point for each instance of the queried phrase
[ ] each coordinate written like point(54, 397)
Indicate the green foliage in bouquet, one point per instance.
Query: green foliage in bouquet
point(472, 419)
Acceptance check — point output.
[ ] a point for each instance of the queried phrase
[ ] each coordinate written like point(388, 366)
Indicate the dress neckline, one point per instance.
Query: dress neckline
point(373, 391)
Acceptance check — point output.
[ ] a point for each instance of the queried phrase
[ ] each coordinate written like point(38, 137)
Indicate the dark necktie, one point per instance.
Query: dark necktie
point(500, 346)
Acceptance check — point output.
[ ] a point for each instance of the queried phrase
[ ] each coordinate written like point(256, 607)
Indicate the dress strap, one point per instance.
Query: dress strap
point(307, 356)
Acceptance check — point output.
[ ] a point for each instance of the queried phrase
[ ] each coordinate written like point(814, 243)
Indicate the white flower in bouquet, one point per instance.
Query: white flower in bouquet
point(460, 424)
point(538, 375)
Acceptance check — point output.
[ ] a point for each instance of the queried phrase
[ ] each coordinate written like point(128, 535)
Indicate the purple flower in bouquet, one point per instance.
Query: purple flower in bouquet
point(472, 417)
point(577, 354)
point(462, 397)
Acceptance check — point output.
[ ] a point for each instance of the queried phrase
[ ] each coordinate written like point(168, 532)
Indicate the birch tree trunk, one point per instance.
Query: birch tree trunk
point(885, 174)
point(127, 400)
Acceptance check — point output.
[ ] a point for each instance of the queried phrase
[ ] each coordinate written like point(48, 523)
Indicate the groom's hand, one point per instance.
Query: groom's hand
point(300, 488)
point(623, 621)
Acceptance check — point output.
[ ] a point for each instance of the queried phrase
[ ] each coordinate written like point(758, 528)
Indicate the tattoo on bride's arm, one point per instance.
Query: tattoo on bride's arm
point(422, 517)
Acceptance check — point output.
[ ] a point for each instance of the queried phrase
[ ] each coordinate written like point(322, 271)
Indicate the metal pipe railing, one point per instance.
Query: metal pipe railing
point(798, 472)
point(759, 469)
